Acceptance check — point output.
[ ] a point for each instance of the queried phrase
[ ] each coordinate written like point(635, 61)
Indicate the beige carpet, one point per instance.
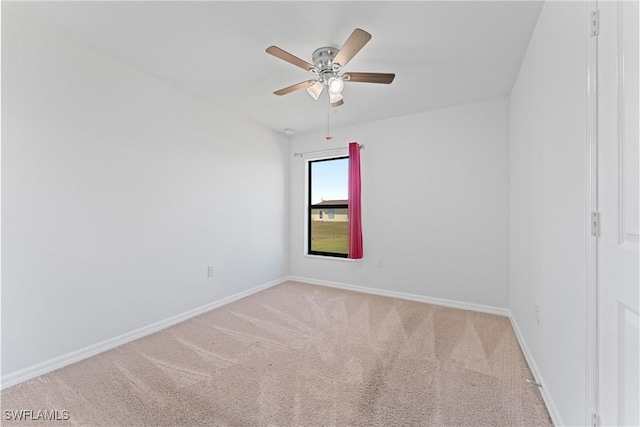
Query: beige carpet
point(299, 354)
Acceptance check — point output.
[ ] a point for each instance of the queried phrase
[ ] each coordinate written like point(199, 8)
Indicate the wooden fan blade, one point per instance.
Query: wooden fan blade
point(384, 78)
point(354, 43)
point(293, 88)
point(286, 56)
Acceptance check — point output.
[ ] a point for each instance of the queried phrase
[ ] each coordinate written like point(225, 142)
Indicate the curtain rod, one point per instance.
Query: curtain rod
point(360, 146)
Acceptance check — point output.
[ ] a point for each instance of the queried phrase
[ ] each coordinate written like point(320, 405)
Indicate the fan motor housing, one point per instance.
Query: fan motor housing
point(323, 58)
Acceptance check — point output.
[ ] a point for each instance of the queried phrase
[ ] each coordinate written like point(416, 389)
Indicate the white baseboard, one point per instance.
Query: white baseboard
point(411, 297)
point(45, 367)
point(548, 400)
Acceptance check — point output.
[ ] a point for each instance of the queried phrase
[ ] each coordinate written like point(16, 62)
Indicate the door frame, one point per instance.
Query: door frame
point(591, 417)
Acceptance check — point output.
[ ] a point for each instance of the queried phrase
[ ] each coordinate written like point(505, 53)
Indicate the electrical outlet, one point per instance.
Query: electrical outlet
point(537, 314)
point(210, 271)
point(380, 262)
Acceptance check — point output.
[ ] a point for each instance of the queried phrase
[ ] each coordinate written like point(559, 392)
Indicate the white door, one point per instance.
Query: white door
point(618, 191)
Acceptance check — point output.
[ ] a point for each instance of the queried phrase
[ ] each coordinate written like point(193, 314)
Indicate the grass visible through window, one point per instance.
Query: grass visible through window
point(330, 236)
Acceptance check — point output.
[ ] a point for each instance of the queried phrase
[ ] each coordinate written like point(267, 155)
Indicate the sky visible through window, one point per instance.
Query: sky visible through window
point(329, 180)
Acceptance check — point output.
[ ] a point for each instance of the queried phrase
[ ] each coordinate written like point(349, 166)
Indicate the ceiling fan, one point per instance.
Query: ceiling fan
point(327, 65)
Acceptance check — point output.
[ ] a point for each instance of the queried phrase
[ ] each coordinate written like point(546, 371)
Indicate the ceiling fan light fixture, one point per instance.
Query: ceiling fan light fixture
point(315, 90)
point(335, 99)
point(336, 85)
point(328, 63)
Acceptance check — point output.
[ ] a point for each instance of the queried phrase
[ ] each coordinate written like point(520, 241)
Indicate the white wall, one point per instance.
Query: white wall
point(548, 204)
point(117, 192)
point(435, 204)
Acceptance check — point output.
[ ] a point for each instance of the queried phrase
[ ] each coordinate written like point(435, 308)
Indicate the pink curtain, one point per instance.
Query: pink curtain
point(355, 221)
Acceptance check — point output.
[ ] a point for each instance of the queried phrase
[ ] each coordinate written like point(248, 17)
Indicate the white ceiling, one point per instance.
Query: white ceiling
point(443, 53)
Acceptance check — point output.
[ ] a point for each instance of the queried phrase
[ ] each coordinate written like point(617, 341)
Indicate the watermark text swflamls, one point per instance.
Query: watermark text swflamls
point(36, 415)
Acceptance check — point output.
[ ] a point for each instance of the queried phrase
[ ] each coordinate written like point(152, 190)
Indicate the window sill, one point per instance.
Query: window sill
point(330, 258)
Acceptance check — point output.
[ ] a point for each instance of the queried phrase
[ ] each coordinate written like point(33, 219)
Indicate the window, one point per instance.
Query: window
point(328, 209)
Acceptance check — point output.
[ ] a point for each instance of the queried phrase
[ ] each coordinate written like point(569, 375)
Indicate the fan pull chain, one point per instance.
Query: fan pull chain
point(328, 137)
